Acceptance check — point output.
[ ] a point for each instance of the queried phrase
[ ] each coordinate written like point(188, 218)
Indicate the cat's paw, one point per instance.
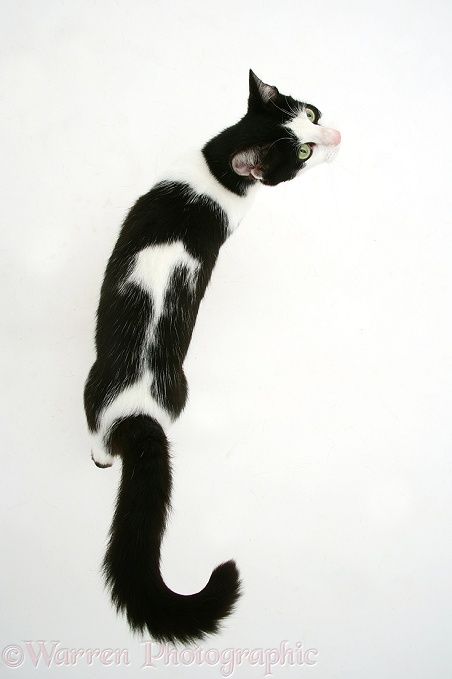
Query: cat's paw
point(101, 458)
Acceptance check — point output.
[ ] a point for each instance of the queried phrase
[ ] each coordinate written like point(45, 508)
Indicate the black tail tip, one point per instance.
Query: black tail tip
point(227, 574)
point(201, 614)
point(225, 586)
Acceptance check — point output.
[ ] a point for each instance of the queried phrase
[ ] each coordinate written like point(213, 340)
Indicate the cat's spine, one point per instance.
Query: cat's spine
point(132, 561)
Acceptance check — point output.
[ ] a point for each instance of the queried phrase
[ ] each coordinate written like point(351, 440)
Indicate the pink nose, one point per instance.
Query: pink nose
point(333, 137)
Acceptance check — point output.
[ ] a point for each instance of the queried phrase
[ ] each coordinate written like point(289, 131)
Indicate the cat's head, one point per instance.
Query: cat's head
point(286, 136)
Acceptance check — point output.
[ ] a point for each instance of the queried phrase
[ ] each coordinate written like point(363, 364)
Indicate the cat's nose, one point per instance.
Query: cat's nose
point(331, 137)
point(326, 136)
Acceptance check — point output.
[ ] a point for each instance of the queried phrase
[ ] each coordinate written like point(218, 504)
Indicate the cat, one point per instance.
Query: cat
point(154, 282)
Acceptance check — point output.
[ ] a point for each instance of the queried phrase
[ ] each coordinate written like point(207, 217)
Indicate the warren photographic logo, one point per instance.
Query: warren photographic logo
point(151, 655)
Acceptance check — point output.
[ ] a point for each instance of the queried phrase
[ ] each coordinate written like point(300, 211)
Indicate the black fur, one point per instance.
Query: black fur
point(160, 216)
point(170, 212)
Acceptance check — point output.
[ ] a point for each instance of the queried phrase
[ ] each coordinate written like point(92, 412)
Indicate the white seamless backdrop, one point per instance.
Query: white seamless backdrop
point(315, 448)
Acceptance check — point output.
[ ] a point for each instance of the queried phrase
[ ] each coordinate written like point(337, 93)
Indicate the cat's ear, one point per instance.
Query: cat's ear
point(248, 162)
point(260, 93)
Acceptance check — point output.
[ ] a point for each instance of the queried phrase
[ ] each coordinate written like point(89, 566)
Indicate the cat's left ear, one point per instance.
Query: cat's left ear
point(249, 162)
point(260, 93)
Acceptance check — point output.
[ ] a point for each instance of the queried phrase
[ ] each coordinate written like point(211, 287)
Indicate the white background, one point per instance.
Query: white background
point(316, 444)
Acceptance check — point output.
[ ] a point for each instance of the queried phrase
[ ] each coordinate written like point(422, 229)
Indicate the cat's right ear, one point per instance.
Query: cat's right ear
point(260, 93)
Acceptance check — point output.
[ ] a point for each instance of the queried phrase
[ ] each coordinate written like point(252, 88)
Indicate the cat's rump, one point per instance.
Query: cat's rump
point(132, 560)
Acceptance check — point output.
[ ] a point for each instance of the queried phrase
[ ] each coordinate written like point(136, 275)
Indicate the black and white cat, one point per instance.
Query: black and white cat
point(154, 282)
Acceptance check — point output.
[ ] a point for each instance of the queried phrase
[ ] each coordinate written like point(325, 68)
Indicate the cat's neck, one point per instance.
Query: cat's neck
point(194, 170)
point(218, 152)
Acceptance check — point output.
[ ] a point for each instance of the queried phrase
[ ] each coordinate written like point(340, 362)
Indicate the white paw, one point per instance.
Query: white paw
point(101, 458)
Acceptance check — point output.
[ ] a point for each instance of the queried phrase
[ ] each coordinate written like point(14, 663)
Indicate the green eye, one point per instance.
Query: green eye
point(310, 113)
point(304, 152)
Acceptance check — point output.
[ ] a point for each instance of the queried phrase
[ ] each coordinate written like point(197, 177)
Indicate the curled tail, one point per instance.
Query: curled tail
point(132, 561)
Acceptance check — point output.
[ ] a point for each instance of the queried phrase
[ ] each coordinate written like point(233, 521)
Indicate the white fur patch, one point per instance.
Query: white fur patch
point(307, 131)
point(326, 139)
point(192, 169)
point(152, 272)
point(302, 127)
point(154, 267)
point(134, 400)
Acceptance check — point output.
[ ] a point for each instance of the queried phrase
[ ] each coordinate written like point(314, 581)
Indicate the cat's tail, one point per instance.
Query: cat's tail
point(132, 561)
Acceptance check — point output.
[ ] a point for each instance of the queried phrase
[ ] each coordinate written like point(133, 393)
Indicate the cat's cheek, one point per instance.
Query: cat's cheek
point(321, 154)
point(332, 153)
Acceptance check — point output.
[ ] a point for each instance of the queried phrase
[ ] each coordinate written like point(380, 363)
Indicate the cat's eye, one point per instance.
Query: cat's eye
point(304, 151)
point(310, 113)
